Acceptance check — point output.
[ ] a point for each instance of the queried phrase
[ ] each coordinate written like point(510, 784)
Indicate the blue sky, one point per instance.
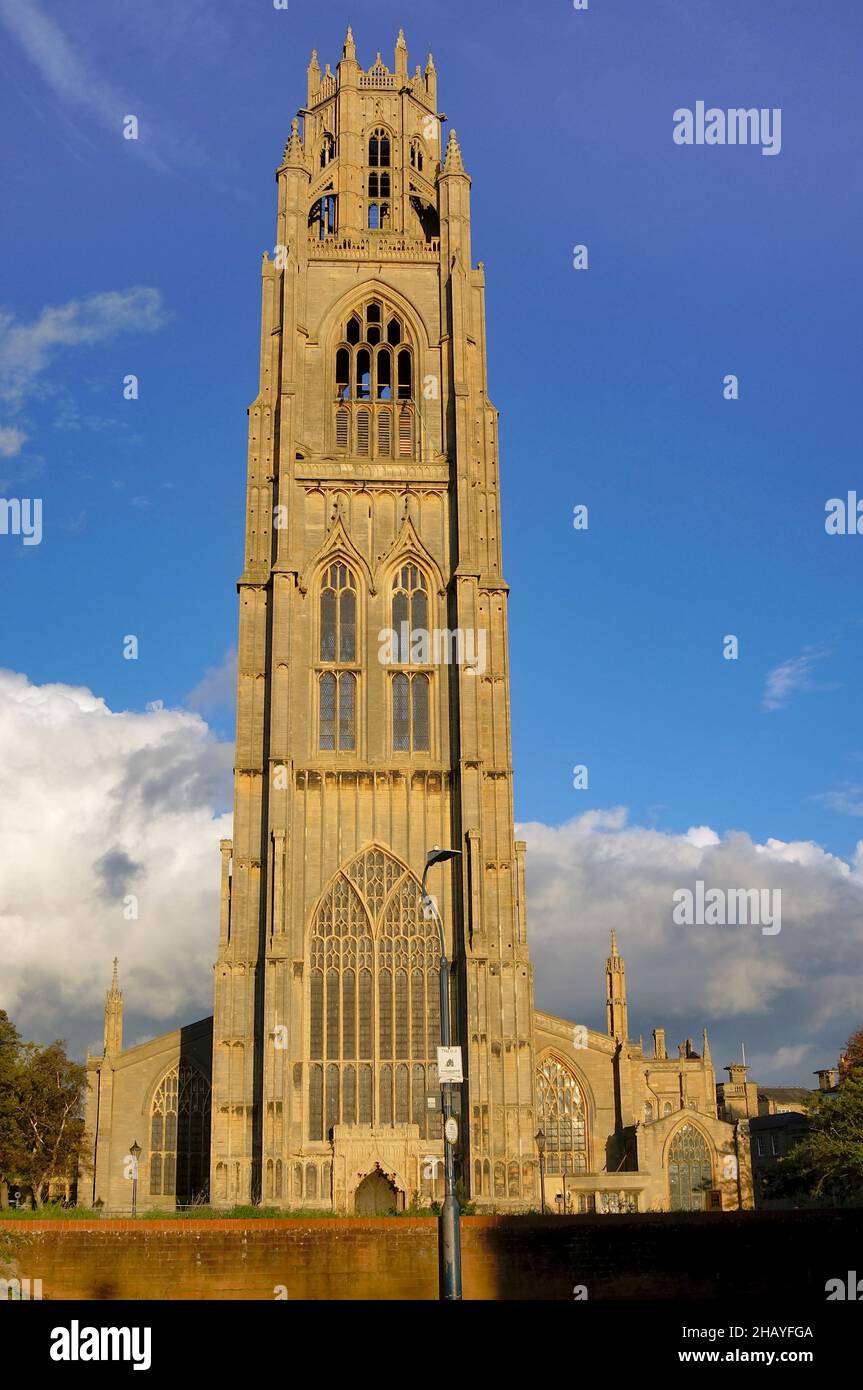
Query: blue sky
point(706, 515)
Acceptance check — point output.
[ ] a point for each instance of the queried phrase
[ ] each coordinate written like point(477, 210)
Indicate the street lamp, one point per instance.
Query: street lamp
point(135, 1151)
point(450, 1235)
point(540, 1146)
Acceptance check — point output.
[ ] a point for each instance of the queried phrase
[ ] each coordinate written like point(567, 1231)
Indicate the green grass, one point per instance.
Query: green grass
point(50, 1212)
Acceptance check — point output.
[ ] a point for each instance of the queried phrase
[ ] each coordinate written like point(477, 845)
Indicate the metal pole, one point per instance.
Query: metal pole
point(450, 1232)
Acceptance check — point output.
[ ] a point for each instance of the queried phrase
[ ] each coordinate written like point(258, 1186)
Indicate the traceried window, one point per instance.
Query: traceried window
point(328, 149)
point(180, 1136)
point(690, 1172)
point(410, 705)
point(411, 617)
point(417, 158)
point(338, 615)
point(562, 1116)
point(374, 1001)
point(379, 149)
point(374, 411)
point(337, 690)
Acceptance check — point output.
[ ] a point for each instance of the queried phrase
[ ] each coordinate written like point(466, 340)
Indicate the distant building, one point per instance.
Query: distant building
point(777, 1118)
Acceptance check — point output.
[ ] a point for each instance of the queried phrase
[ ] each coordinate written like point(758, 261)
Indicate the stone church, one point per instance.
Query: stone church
point(373, 724)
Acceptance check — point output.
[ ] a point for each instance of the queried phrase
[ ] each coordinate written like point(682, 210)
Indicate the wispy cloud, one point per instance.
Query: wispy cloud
point(793, 677)
point(61, 65)
point(217, 688)
point(848, 800)
point(80, 86)
point(27, 348)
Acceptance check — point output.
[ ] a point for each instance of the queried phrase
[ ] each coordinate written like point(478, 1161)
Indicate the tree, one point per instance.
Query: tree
point(10, 1046)
point(49, 1090)
point(827, 1162)
point(852, 1056)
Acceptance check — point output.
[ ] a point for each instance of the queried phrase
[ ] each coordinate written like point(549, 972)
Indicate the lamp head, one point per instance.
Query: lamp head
point(436, 855)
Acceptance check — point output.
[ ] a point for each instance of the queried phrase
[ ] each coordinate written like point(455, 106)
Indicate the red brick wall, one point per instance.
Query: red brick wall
point(617, 1257)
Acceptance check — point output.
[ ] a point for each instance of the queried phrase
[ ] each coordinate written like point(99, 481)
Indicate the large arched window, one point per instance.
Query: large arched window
point(338, 645)
point(180, 1136)
point(562, 1117)
point(690, 1172)
point(411, 616)
point(338, 615)
point(374, 405)
point(374, 1001)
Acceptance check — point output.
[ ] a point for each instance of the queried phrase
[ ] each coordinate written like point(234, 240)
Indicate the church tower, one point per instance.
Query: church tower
point(112, 1037)
point(373, 717)
point(615, 993)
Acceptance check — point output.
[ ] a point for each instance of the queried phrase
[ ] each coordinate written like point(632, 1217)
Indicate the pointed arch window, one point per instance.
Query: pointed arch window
point(410, 612)
point(180, 1136)
point(372, 953)
point(338, 640)
point(562, 1117)
point(328, 149)
point(373, 369)
point(690, 1171)
point(379, 149)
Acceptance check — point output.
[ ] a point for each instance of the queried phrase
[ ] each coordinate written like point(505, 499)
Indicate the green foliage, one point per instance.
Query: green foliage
point(41, 1124)
point(10, 1048)
point(827, 1163)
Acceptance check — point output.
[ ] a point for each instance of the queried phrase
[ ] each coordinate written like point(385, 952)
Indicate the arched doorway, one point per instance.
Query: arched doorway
point(690, 1172)
point(376, 1195)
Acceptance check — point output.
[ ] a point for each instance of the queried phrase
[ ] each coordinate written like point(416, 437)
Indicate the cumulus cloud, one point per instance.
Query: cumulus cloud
point(96, 806)
point(791, 998)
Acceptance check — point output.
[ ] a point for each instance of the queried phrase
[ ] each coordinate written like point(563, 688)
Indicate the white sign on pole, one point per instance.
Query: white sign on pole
point(449, 1064)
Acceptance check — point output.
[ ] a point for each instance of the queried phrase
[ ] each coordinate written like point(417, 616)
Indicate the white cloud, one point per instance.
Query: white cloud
point(791, 678)
point(58, 61)
point(597, 872)
point(95, 805)
point(12, 441)
point(27, 349)
point(848, 801)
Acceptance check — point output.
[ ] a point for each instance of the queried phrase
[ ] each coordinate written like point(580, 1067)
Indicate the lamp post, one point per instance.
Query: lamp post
point(135, 1152)
point(450, 1235)
point(540, 1146)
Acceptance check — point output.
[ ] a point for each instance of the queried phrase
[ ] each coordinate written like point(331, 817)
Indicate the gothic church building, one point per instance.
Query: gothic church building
point(373, 723)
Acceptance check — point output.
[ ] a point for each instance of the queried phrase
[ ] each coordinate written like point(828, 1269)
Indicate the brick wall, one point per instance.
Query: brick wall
point(748, 1255)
